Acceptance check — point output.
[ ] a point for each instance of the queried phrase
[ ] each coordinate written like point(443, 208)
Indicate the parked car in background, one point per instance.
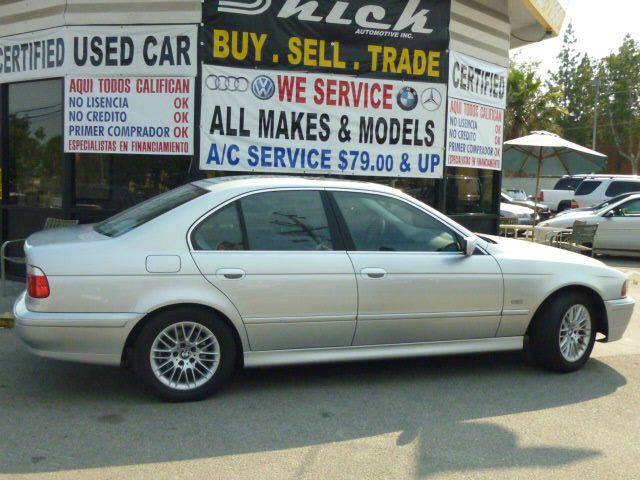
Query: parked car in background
point(522, 215)
point(595, 208)
point(618, 226)
point(560, 197)
point(598, 188)
point(542, 209)
point(517, 193)
point(257, 271)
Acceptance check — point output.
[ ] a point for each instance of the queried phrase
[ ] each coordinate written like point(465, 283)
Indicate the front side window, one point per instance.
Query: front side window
point(286, 221)
point(380, 223)
point(631, 208)
point(148, 210)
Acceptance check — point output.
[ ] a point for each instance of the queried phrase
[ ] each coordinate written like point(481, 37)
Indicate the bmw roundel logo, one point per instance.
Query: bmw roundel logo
point(263, 87)
point(407, 98)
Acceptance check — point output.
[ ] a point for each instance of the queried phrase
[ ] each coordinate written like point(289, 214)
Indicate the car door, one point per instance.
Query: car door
point(277, 256)
point(414, 282)
point(619, 229)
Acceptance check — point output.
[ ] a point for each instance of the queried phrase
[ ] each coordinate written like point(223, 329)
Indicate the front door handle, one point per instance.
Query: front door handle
point(231, 273)
point(373, 272)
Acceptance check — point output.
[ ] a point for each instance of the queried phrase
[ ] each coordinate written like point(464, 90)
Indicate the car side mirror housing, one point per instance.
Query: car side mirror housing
point(609, 214)
point(470, 244)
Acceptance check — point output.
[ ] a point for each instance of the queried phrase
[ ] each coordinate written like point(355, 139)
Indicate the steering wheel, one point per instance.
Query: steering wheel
point(447, 246)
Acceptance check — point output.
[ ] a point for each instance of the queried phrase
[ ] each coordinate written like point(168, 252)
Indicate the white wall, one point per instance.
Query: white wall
point(29, 15)
point(481, 29)
point(529, 184)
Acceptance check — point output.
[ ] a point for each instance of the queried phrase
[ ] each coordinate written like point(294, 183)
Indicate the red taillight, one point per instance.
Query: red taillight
point(574, 204)
point(541, 198)
point(37, 283)
point(625, 286)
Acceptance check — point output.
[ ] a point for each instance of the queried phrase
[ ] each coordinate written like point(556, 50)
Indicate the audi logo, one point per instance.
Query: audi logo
point(227, 84)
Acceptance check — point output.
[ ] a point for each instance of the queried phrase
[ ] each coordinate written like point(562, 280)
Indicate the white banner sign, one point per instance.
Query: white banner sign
point(280, 121)
point(474, 135)
point(105, 50)
point(131, 115)
point(477, 81)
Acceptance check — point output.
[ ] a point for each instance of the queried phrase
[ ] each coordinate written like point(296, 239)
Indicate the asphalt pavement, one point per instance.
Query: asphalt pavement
point(465, 417)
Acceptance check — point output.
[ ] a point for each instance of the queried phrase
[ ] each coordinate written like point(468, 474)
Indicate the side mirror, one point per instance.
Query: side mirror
point(609, 214)
point(470, 244)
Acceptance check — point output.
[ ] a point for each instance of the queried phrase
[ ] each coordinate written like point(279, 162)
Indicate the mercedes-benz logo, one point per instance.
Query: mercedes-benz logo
point(431, 99)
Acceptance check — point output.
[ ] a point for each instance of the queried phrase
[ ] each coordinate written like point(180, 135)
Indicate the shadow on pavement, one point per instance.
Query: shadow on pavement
point(58, 416)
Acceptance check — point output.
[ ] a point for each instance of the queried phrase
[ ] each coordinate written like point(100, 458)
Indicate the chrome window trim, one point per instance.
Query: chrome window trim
point(415, 204)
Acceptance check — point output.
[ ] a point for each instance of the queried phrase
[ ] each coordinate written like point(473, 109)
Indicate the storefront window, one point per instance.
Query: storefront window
point(35, 144)
point(115, 182)
point(469, 190)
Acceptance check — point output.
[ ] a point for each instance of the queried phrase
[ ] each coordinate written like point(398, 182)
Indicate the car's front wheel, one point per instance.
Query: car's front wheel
point(184, 354)
point(563, 332)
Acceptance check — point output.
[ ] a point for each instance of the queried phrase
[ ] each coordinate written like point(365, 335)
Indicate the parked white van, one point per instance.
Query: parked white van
point(598, 188)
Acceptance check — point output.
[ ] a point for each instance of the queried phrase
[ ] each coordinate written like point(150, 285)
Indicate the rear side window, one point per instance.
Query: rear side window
point(587, 187)
point(618, 187)
point(148, 210)
point(568, 183)
point(270, 221)
point(220, 231)
point(286, 221)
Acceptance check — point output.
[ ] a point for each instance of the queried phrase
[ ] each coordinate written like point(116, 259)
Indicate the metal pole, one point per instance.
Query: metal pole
point(595, 83)
point(535, 208)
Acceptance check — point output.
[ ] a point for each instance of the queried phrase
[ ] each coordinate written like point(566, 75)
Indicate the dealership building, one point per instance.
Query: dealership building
point(104, 104)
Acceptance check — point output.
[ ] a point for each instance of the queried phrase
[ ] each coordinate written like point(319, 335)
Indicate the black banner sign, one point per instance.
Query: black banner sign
point(400, 39)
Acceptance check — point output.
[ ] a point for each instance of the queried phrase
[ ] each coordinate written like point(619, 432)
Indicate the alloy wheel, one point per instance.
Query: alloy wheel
point(185, 355)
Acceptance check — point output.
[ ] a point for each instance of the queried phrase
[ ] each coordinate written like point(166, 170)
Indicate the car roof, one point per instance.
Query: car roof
point(257, 182)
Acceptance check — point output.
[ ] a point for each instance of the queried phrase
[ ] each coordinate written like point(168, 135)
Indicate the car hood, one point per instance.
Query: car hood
point(566, 221)
point(533, 256)
point(515, 209)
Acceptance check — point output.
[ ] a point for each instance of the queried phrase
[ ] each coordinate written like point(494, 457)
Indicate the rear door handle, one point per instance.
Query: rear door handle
point(231, 273)
point(373, 272)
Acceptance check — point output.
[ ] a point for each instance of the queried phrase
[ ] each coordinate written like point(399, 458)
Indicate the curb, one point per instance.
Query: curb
point(6, 320)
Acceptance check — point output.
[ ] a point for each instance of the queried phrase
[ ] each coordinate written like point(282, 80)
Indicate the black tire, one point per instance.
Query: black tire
point(142, 353)
point(564, 205)
point(544, 334)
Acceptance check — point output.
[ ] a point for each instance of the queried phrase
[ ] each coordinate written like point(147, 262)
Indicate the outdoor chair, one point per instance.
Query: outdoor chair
point(579, 240)
point(506, 225)
point(21, 260)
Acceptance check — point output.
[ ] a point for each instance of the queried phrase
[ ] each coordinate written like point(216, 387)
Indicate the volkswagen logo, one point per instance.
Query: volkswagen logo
point(431, 99)
point(263, 87)
point(407, 98)
point(223, 83)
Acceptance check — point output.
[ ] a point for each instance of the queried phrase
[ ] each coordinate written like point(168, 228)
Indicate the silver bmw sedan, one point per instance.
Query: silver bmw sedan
point(255, 271)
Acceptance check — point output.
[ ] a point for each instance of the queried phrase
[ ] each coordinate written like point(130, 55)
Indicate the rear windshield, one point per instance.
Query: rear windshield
point(568, 183)
point(587, 187)
point(148, 210)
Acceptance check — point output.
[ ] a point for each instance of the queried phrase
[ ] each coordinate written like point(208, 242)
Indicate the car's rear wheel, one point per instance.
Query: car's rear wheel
point(184, 354)
point(563, 332)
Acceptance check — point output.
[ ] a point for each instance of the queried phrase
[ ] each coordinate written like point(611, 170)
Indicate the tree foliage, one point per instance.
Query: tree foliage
point(565, 104)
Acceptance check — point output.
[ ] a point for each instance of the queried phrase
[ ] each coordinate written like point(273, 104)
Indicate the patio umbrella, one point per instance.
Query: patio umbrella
point(543, 153)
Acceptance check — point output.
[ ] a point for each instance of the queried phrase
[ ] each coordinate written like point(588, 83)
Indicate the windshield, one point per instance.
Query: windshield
point(148, 210)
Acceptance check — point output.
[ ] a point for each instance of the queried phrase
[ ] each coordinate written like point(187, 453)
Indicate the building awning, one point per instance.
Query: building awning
point(534, 20)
